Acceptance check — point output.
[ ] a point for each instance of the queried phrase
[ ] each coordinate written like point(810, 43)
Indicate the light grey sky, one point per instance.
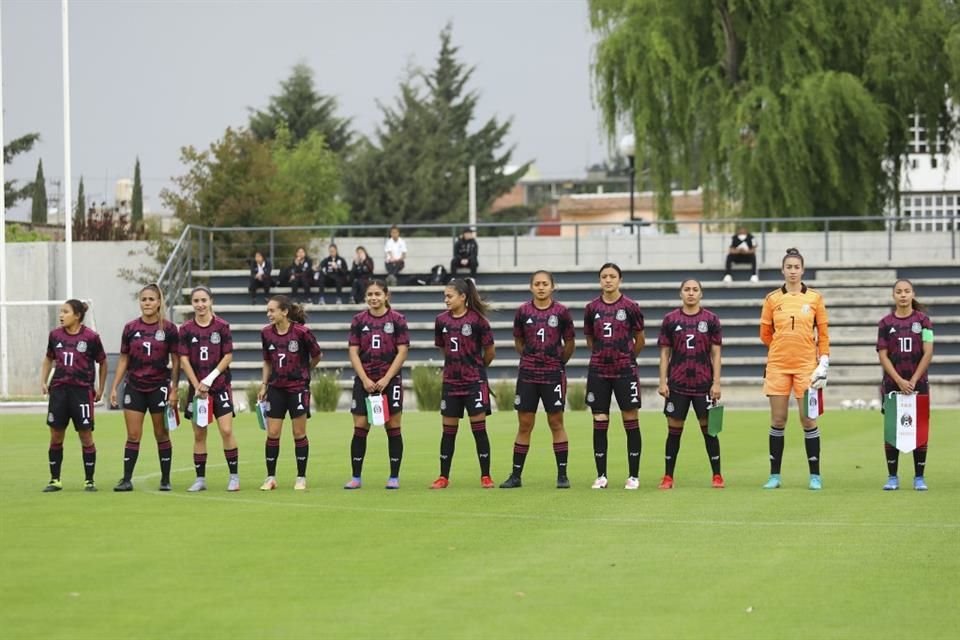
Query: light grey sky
point(150, 77)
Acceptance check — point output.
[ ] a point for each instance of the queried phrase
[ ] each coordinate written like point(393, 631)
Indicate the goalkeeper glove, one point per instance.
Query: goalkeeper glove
point(818, 379)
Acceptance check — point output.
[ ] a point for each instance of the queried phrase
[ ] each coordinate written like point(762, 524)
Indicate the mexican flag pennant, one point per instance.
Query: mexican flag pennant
point(262, 409)
point(171, 418)
point(813, 401)
point(714, 419)
point(906, 420)
point(202, 410)
point(378, 412)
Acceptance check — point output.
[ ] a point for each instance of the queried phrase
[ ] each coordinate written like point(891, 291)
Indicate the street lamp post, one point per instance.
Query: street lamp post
point(628, 149)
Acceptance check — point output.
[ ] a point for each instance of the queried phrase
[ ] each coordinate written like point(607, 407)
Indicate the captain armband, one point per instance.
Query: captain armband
point(926, 335)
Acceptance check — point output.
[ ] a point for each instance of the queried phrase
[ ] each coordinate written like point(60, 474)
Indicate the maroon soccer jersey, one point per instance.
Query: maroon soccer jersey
point(289, 356)
point(378, 339)
point(544, 332)
point(205, 347)
point(74, 356)
point(148, 348)
point(690, 339)
point(613, 327)
point(902, 338)
point(463, 340)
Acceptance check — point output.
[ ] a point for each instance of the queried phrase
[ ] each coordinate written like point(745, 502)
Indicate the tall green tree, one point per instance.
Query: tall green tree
point(38, 214)
point(301, 110)
point(788, 109)
point(23, 144)
point(415, 168)
point(80, 213)
point(136, 204)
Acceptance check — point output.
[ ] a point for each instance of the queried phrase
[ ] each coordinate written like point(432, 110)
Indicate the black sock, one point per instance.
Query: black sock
point(55, 456)
point(358, 450)
point(395, 450)
point(776, 449)
point(600, 428)
point(448, 443)
point(634, 444)
point(560, 450)
point(131, 451)
point(811, 440)
point(519, 457)
point(482, 441)
point(200, 464)
point(233, 460)
point(672, 450)
point(919, 461)
point(301, 449)
point(89, 462)
point(271, 453)
point(713, 450)
point(893, 459)
point(165, 453)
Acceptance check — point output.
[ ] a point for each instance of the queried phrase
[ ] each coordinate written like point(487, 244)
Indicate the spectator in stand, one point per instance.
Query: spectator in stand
point(298, 274)
point(331, 272)
point(465, 253)
point(743, 250)
point(360, 273)
point(260, 277)
point(395, 252)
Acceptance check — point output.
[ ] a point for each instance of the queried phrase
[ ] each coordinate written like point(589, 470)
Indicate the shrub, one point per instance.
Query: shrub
point(252, 390)
point(504, 390)
point(182, 392)
point(325, 391)
point(577, 396)
point(428, 386)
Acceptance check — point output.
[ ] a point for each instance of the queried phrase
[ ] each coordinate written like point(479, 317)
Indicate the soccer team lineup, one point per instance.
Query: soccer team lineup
point(156, 355)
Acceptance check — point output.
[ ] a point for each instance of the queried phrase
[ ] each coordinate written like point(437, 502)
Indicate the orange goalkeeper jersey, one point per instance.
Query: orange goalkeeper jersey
point(794, 327)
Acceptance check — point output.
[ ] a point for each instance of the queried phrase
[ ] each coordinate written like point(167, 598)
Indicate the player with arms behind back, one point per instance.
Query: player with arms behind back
point(73, 352)
point(905, 349)
point(543, 335)
point(794, 326)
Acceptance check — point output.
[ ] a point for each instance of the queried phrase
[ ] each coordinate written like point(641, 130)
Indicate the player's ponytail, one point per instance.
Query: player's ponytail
point(295, 312)
point(468, 288)
point(376, 282)
point(792, 252)
point(79, 307)
point(915, 304)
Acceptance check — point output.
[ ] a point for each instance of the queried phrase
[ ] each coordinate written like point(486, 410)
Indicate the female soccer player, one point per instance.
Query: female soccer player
point(794, 327)
point(613, 326)
point(73, 350)
point(290, 352)
point(543, 335)
point(905, 348)
point(690, 340)
point(378, 347)
point(206, 351)
point(149, 363)
point(463, 335)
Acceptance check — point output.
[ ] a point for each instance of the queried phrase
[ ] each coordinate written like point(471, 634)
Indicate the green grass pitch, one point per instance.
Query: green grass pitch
point(851, 561)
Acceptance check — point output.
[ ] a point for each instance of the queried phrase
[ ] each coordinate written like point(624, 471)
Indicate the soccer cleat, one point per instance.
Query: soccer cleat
point(563, 482)
point(234, 483)
point(919, 484)
point(440, 483)
point(717, 482)
point(599, 483)
point(354, 483)
point(666, 483)
point(124, 485)
point(632, 483)
point(269, 484)
point(487, 482)
point(513, 482)
point(300, 484)
point(728, 278)
point(200, 484)
point(53, 485)
point(893, 483)
point(393, 483)
point(165, 486)
point(773, 482)
point(89, 486)
point(815, 483)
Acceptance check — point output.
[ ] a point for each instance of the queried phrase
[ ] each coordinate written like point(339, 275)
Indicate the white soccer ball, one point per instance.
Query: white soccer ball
point(875, 404)
point(860, 403)
point(846, 404)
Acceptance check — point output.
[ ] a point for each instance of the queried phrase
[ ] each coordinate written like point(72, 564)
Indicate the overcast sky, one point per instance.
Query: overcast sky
point(150, 77)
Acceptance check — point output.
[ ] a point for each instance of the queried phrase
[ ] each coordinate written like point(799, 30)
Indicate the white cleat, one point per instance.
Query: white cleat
point(200, 484)
point(234, 483)
point(300, 484)
point(599, 483)
point(632, 483)
point(269, 484)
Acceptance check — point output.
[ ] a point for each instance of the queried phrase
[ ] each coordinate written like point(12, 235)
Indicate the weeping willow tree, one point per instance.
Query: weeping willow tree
point(783, 109)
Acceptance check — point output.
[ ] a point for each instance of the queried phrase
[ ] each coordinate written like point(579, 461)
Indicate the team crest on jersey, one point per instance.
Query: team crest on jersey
point(466, 330)
point(805, 309)
point(160, 335)
point(915, 327)
point(293, 346)
point(82, 346)
point(552, 321)
point(215, 337)
point(702, 326)
point(388, 327)
point(621, 314)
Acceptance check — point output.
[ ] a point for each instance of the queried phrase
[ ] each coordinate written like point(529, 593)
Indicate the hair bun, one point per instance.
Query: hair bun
point(793, 251)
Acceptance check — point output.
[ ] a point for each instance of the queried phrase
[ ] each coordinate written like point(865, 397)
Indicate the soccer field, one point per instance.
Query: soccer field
point(849, 561)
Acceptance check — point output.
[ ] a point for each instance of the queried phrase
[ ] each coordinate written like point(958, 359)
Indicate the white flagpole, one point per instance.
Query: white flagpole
point(67, 178)
point(4, 352)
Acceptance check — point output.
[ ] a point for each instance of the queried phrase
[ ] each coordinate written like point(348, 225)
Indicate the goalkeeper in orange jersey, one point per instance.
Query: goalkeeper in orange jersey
point(793, 325)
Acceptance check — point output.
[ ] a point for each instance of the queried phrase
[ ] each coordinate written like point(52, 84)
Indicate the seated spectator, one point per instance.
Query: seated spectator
point(360, 273)
point(743, 250)
point(465, 253)
point(260, 277)
point(395, 252)
point(298, 274)
point(331, 272)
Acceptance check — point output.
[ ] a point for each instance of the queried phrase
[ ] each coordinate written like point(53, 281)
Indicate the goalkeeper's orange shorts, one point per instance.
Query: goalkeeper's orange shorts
point(776, 383)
